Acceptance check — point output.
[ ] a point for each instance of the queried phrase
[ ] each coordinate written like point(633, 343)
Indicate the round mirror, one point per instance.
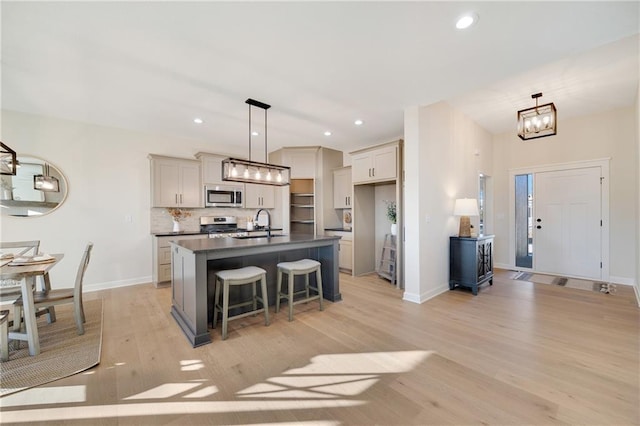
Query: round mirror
point(37, 188)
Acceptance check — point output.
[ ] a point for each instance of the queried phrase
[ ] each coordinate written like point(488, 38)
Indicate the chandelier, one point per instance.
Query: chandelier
point(537, 122)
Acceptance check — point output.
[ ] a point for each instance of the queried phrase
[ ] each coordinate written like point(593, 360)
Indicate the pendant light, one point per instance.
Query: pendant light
point(537, 122)
point(8, 160)
point(46, 182)
point(248, 171)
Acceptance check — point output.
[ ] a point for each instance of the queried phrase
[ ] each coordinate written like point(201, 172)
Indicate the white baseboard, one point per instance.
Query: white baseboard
point(115, 284)
point(502, 266)
point(423, 297)
point(622, 280)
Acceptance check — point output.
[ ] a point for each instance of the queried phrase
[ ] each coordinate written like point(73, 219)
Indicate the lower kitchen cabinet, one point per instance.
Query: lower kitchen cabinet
point(345, 246)
point(161, 275)
point(470, 262)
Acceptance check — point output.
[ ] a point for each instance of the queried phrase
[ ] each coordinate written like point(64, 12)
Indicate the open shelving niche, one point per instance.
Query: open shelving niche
point(302, 200)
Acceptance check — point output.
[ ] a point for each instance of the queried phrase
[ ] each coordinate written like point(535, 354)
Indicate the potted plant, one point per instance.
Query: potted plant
point(177, 215)
point(391, 215)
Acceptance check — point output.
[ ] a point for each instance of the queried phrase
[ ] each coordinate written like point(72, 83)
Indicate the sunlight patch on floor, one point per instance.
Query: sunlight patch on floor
point(191, 365)
point(164, 408)
point(167, 390)
point(328, 381)
point(45, 395)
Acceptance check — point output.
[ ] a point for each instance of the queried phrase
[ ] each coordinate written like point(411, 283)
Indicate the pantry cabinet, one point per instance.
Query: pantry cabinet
point(308, 206)
point(374, 165)
point(259, 196)
point(342, 197)
point(175, 182)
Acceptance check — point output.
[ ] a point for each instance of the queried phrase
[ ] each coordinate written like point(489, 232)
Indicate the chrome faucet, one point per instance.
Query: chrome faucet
point(268, 227)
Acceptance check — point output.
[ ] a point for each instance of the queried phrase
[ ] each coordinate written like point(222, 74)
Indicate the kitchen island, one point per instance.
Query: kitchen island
point(195, 262)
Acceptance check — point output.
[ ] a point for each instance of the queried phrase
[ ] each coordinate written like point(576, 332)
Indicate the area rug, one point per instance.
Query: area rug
point(598, 286)
point(62, 351)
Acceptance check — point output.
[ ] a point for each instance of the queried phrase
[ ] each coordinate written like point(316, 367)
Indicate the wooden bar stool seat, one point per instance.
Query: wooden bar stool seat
point(235, 277)
point(299, 267)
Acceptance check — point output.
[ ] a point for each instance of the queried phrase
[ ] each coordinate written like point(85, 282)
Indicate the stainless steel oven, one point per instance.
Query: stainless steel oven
point(223, 196)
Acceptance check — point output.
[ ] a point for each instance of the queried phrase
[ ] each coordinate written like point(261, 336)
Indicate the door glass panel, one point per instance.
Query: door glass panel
point(524, 220)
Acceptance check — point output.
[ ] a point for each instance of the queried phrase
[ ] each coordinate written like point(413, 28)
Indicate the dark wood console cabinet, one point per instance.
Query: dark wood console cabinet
point(470, 262)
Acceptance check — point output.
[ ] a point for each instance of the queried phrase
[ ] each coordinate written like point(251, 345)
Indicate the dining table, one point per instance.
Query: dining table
point(26, 274)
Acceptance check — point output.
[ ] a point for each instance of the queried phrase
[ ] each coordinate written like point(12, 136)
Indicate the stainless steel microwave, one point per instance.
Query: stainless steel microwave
point(223, 196)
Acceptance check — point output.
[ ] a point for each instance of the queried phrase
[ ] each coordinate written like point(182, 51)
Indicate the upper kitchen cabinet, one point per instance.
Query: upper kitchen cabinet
point(211, 167)
point(259, 196)
point(302, 160)
point(342, 188)
point(175, 182)
point(377, 164)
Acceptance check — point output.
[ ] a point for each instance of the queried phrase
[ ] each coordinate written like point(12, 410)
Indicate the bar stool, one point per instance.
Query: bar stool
point(299, 267)
point(234, 277)
point(4, 335)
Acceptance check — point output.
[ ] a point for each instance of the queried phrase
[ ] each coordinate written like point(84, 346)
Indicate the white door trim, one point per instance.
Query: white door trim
point(603, 163)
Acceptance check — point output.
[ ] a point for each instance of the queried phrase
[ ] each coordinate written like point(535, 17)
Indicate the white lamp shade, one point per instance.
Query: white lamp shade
point(466, 207)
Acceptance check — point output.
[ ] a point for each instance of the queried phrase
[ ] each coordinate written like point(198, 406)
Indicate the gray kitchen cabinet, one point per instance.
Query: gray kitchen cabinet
point(175, 182)
point(259, 196)
point(470, 262)
point(342, 190)
point(374, 165)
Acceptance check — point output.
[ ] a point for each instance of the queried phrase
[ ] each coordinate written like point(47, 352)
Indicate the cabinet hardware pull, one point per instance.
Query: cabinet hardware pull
point(176, 198)
point(180, 198)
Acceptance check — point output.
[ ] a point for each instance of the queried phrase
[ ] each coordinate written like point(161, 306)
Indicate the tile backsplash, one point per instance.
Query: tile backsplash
point(161, 220)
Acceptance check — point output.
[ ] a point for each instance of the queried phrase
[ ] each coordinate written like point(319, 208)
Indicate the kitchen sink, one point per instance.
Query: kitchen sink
point(247, 237)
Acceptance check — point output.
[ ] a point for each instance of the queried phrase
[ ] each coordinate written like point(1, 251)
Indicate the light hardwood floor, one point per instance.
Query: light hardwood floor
point(518, 353)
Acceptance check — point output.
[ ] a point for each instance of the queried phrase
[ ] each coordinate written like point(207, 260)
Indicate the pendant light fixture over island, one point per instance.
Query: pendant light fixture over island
point(248, 171)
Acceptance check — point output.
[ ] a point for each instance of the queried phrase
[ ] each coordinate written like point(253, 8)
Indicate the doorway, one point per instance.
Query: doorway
point(559, 219)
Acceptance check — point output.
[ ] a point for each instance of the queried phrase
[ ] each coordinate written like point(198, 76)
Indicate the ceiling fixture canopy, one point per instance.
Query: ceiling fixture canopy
point(537, 122)
point(239, 170)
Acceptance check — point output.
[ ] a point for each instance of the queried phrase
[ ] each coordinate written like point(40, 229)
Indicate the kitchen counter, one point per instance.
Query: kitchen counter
point(196, 261)
point(177, 234)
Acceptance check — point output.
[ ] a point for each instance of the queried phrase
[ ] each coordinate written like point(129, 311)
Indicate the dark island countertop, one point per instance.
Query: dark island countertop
point(275, 243)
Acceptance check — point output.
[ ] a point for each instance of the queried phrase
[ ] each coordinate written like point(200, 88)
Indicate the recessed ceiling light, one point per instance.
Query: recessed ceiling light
point(466, 21)
point(327, 133)
point(198, 120)
point(358, 122)
point(254, 133)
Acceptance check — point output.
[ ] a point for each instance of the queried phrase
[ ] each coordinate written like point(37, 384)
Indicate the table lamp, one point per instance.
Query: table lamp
point(465, 207)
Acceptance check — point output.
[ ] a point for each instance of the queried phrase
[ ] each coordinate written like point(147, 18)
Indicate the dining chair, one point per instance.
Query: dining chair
point(48, 298)
point(10, 288)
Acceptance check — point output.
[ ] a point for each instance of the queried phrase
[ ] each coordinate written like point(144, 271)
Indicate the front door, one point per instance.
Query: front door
point(567, 222)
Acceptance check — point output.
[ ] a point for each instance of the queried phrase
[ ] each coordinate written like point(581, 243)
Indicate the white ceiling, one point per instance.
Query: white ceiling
point(154, 66)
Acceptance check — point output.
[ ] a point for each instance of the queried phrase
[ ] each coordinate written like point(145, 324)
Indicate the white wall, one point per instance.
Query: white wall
point(109, 179)
point(611, 134)
point(444, 153)
point(637, 134)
